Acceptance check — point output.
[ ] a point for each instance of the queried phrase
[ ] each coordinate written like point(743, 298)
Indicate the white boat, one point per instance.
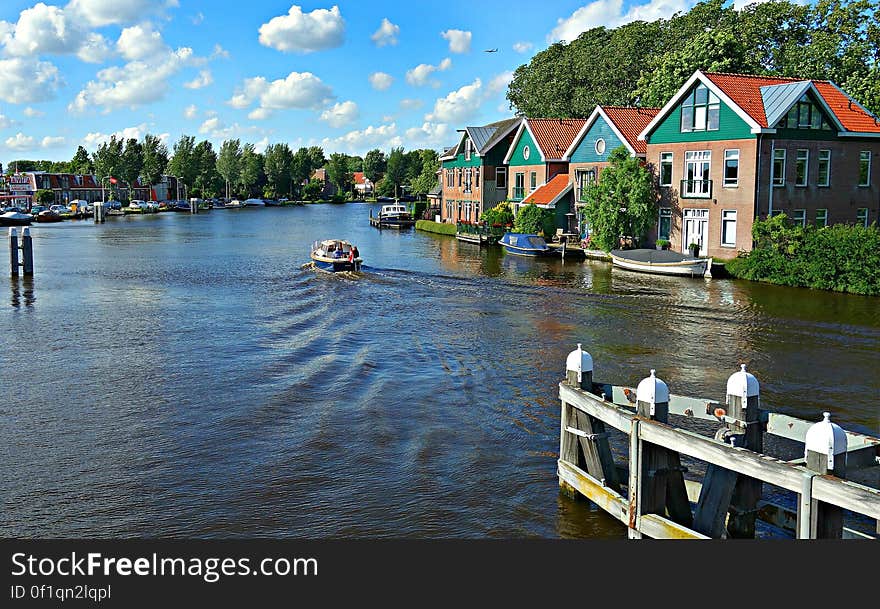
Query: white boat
point(15, 218)
point(662, 262)
point(254, 203)
point(392, 216)
point(234, 204)
point(335, 255)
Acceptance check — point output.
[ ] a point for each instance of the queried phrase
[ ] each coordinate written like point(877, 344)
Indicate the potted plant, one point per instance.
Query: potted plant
point(694, 249)
point(662, 244)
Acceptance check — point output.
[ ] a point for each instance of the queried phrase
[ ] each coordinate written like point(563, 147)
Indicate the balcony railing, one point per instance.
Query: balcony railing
point(696, 189)
point(519, 193)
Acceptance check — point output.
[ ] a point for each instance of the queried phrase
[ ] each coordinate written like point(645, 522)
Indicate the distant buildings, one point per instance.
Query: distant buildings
point(20, 188)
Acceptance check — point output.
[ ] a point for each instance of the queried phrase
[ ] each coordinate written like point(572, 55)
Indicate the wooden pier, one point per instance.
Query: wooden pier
point(649, 492)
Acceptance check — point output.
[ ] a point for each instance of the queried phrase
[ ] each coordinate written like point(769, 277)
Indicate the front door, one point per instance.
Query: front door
point(695, 230)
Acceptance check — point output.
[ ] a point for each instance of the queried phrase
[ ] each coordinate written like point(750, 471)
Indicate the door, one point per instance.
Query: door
point(695, 230)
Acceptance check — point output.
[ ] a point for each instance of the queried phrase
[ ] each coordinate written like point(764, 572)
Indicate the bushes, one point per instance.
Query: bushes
point(841, 258)
point(435, 227)
point(532, 219)
point(500, 215)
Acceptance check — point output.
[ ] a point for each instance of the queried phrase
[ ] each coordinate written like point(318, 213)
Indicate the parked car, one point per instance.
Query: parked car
point(138, 204)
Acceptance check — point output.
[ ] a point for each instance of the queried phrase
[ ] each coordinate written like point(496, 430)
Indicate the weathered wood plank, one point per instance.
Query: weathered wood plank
point(861, 449)
point(615, 416)
point(848, 495)
point(634, 486)
point(596, 450)
point(711, 512)
point(567, 444)
point(613, 503)
point(658, 527)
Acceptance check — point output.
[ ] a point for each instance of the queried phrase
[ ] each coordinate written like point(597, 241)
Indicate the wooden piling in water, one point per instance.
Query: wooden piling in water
point(825, 453)
point(27, 251)
point(13, 251)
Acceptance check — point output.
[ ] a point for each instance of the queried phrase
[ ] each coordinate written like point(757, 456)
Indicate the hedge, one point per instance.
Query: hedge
point(435, 227)
point(840, 258)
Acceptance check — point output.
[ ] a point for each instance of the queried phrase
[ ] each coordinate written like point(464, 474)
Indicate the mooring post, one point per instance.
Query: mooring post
point(743, 402)
point(13, 251)
point(825, 452)
point(99, 212)
point(193, 206)
point(27, 251)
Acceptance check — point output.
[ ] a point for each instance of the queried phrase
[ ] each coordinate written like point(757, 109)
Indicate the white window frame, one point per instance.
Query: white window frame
point(725, 221)
point(666, 159)
point(827, 160)
point(701, 159)
point(863, 154)
point(822, 213)
point(467, 150)
point(501, 172)
point(533, 181)
point(799, 216)
point(731, 154)
point(862, 218)
point(665, 212)
point(802, 154)
point(778, 180)
point(467, 179)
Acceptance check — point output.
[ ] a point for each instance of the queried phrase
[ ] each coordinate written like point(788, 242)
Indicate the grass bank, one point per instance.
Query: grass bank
point(430, 226)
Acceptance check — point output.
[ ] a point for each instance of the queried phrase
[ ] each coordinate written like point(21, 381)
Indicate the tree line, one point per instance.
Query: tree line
point(644, 63)
point(238, 170)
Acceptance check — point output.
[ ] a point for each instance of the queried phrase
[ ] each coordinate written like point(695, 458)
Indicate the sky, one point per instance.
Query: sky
point(347, 76)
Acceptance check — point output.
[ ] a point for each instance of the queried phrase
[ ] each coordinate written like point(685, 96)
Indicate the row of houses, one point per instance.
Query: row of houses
point(19, 189)
point(725, 150)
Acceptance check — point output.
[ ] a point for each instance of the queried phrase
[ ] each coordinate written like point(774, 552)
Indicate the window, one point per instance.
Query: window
point(664, 224)
point(779, 167)
point(699, 111)
point(804, 115)
point(467, 179)
point(476, 177)
point(824, 168)
point(584, 178)
point(862, 216)
point(728, 228)
point(600, 146)
point(801, 167)
point(526, 153)
point(697, 183)
point(533, 181)
point(458, 175)
point(821, 217)
point(448, 177)
point(731, 168)
point(799, 216)
point(865, 168)
point(665, 169)
point(501, 178)
point(467, 150)
point(519, 186)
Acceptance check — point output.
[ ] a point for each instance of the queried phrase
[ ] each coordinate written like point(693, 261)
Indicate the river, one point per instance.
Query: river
point(184, 376)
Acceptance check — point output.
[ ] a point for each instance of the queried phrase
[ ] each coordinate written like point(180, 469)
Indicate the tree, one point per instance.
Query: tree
point(622, 202)
point(183, 163)
point(313, 190)
point(251, 168)
point(500, 215)
point(355, 163)
point(316, 158)
point(532, 219)
point(338, 172)
point(131, 163)
point(374, 165)
point(300, 169)
point(107, 160)
point(45, 197)
point(229, 162)
point(155, 155)
point(277, 160)
point(81, 163)
point(426, 181)
point(207, 180)
point(395, 172)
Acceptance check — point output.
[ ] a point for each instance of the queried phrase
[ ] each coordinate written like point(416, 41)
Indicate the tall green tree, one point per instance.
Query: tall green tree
point(622, 203)
point(316, 157)
point(207, 180)
point(300, 169)
point(277, 160)
point(183, 163)
point(338, 172)
point(251, 169)
point(395, 173)
point(427, 179)
point(155, 155)
point(355, 163)
point(107, 160)
point(132, 162)
point(81, 163)
point(374, 165)
point(229, 162)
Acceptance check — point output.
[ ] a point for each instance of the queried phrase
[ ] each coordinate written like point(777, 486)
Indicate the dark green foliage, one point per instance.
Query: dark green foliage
point(534, 220)
point(418, 209)
point(500, 215)
point(313, 189)
point(435, 227)
point(45, 197)
point(840, 258)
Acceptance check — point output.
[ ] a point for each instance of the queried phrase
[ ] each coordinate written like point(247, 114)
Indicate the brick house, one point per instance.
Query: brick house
point(472, 173)
point(537, 155)
point(729, 148)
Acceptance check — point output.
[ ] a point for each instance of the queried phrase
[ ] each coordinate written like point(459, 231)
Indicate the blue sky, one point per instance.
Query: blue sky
point(348, 76)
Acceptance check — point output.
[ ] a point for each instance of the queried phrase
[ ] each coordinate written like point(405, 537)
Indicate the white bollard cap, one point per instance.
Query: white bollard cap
point(826, 438)
point(26, 231)
point(13, 232)
point(652, 391)
point(579, 361)
point(743, 384)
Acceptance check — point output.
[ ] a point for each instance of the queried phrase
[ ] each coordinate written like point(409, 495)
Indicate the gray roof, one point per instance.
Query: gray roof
point(778, 99)
point(501, 129)
point(480, 135)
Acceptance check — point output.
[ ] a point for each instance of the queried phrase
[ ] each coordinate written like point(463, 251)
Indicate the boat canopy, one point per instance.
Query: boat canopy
point(526, 241)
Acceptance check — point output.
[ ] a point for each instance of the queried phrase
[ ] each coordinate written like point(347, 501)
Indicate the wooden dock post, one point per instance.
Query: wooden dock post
point(825, 453)
point(13, 251)
point(27, 251)
point(743, 401)
point(662, 476)
point(99, 212)
point(193, 206)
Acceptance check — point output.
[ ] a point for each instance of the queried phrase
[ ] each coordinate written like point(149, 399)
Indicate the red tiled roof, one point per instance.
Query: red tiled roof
point(630, 122)
point(546, 194)
point(745, 91)
point(358, 177)
point(555, 135)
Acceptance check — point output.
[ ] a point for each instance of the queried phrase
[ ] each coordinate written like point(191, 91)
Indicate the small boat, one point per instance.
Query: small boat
point(392, 216)
point(335, 255)
point(524, 244)
point(234, 204)
point(15, 218)
point(254, 203)
point(661, 262)
point(49, 215)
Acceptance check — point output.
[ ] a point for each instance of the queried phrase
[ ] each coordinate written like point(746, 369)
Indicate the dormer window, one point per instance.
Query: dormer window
point(700, 109)
point(804, 115)
point(467, 150)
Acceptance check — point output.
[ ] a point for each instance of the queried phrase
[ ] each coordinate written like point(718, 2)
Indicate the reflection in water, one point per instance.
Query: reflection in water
point(22, 290)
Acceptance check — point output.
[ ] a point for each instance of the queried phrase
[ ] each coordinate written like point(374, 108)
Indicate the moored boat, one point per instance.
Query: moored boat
point(392, 216)
point(49, 215)
point(525, 244)
point(335, 255)
point(15, 218)
point(661, 262)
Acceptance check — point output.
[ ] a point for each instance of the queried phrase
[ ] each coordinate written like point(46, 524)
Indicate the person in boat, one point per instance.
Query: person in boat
point(354, 252)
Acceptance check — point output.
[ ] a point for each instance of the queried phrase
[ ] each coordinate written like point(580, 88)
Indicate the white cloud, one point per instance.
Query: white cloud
point(260, 145)
point(190, 111)
point(458, 106)
point(523, 47)
point(52, 142)
point(499, 83)
point(459, 40)
point(419, 75)
point(386, 34)
point(135, 84)
point(380, 80)
point(259, 114)
point(202, 80)
point(50, 30)
point(95, 49)
point(99, 13)
point(198, 18)
point(20, 141)
point(304, 32)
point(429, 135)
point(609, 13)
point(359, 141)
point(6, 122)
point(26, 80)
point(411, 104)
point(300, 90)
point(94, 139)
point(140, 42)
point(219, 51)
point(341, 114)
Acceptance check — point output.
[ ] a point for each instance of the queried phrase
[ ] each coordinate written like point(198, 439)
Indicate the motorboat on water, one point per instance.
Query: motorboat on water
point(661, 262)
point(392, 216)
point(49, 215)
point(335, 255)
point(254, 203)
point(15, 218)
point(525, 244)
